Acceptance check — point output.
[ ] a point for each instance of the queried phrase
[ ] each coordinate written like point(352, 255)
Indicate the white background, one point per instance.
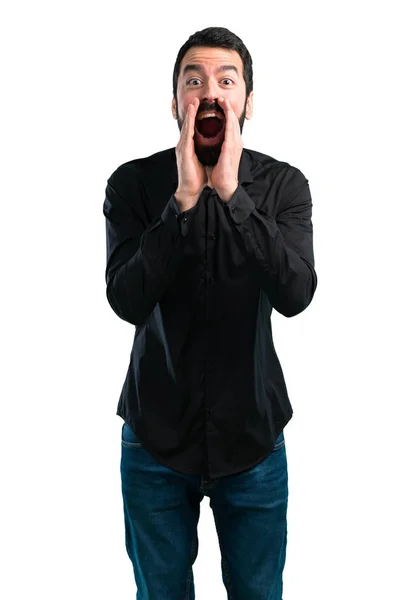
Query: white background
point(87, 86)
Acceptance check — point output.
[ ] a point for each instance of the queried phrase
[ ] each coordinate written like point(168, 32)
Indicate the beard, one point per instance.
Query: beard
point(208, 155)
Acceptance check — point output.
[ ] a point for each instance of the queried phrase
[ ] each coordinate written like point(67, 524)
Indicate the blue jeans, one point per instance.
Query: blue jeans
point(161, 513)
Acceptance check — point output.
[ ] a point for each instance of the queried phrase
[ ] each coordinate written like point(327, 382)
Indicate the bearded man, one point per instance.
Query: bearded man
point(203, 241)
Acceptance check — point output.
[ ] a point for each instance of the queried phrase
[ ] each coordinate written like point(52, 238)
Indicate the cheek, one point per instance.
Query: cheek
point(184, 103)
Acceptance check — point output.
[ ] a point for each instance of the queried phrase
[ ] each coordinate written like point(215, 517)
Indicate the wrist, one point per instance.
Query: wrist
point(226, 194)
point(184, 200)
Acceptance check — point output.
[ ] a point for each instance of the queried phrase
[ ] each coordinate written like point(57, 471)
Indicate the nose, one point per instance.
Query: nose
point(211, 93)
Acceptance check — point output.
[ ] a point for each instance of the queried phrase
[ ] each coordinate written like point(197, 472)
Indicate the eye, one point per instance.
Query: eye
point(197, 79)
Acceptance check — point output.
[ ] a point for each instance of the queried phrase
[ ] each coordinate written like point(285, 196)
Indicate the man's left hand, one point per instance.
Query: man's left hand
point(224, 176)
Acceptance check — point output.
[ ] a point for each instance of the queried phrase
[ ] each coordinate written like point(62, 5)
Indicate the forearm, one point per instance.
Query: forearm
point(142, 263)
point(280, 250)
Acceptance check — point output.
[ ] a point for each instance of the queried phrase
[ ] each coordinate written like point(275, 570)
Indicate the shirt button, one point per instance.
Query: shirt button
point(184, 219)
point(209, 412)
point(212, 236)
point(234, 209)
point(212, 279)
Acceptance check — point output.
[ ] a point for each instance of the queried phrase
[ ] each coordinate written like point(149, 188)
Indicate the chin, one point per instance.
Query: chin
point(208, 156)
point(208, 162)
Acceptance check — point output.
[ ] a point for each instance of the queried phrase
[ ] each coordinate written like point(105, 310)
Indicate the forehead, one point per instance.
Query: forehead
point(212, 58)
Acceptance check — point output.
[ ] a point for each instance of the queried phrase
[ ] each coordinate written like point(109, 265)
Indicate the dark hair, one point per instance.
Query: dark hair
point(216, 37)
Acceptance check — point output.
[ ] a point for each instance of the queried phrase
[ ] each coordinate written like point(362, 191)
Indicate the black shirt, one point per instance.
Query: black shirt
point(204, 390)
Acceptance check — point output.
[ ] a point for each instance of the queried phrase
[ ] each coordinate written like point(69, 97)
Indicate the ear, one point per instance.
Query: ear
point(173, 108)
point(249, 106)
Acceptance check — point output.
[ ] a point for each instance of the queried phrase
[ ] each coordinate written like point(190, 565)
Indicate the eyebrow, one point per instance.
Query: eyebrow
point(201, 70)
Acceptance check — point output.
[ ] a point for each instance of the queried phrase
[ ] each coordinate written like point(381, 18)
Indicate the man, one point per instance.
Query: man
point(203, 240)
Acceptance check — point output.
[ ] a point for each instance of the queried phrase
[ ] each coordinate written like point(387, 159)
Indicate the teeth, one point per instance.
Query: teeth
point(204, 115)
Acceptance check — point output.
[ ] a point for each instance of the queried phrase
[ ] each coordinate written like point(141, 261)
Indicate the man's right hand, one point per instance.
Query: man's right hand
point(192, 176)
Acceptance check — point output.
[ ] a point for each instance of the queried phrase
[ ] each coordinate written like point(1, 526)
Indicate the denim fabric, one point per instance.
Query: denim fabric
point(161, 513)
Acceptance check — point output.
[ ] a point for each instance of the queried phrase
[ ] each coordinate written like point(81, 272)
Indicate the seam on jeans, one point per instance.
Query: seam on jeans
point(224, 563)
point(278, 570)
point(131, 444)
point(278, 446)
point(190, 572)
point(209, 486)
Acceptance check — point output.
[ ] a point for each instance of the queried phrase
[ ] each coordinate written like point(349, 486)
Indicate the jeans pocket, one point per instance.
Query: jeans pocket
point(280, 441)
point(129, 438)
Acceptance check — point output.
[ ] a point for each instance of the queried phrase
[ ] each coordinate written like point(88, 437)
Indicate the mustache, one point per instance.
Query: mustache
point(206, 107)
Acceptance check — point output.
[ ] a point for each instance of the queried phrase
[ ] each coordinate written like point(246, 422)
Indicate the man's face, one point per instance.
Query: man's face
point(209, 73)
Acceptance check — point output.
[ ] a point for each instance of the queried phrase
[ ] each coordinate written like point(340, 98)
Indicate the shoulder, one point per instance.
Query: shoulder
point(142, 169)
point(263, 164)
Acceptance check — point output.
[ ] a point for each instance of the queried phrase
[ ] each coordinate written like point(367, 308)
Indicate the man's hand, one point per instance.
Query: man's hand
point(192, 176)
point(225, 174)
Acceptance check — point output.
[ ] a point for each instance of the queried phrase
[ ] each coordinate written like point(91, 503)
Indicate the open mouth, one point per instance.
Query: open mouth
point(210, 127)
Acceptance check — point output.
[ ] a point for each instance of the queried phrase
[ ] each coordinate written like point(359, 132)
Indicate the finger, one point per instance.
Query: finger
point(193, 106)
point(189, 122)
point(234, 121)
point(186, 120)
point(224, 103)
point(185, 128)
point(188, 126)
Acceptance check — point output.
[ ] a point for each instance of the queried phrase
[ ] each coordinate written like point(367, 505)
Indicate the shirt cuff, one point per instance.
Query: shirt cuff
point(240, 206)
point(177, 221)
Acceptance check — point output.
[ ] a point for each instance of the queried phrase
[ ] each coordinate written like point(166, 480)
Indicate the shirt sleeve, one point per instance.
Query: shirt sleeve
point(142, 257)
point(281, 248)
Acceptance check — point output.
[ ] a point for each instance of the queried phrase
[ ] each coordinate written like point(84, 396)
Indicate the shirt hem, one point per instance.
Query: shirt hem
point(204, 473)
